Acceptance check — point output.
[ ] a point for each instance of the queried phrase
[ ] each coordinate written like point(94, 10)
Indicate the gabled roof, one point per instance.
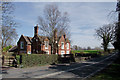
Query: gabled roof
point(13, 49)
point(28, 39)
point(66, 39)
point(42, 38)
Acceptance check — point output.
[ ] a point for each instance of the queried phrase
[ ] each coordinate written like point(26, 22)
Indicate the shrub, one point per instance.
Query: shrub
point(5, 49)
point(29, 60)
point(67, 58)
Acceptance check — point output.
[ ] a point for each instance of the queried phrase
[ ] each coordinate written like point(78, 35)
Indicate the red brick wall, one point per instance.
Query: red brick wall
point(62, 39)
point(28, 48)
point(59, 43)
point(49, 47)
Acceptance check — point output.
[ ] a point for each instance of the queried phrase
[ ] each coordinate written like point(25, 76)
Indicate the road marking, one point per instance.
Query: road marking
point(96, 71)
point(55, 73)
point(99, 69)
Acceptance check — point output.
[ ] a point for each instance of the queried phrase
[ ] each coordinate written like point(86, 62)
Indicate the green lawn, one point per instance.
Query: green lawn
point(112, 72)
point(86, 51)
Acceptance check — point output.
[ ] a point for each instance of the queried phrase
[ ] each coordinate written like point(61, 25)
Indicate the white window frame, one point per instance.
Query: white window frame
point(62, 52)
point(21, 45)
point(46, 43)
point(67, 45)
point(68, 52)
point(62, 46)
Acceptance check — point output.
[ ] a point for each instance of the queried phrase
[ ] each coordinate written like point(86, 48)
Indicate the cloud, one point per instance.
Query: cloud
point(85, 18)
point(62, 0)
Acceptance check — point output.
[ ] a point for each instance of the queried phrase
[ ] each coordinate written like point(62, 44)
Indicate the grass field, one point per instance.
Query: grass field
point(86, 51)
point(112, 72)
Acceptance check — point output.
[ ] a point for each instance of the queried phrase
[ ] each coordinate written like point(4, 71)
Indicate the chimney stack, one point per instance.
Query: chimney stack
point(36, 30)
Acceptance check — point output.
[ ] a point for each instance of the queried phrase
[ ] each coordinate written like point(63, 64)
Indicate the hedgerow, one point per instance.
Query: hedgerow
point(30, 60)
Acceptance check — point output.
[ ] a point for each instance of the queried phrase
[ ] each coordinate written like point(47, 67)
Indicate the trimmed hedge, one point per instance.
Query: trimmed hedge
point(29, 60)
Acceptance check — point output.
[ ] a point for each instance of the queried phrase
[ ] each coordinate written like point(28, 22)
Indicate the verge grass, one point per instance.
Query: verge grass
point(112, 72)
point(86, 51)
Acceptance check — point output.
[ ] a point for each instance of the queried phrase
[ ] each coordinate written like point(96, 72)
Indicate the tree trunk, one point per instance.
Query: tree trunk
point(105, 48)
point(105, 45)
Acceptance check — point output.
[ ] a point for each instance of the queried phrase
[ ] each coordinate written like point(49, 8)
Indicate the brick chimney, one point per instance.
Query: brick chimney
point(36, 30)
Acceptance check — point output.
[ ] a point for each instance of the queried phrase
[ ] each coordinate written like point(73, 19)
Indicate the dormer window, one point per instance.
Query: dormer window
point(46, 44)
point(62, 45)
point(21, 45)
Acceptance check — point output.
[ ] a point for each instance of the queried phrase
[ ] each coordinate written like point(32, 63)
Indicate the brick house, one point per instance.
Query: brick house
point(61, 44)
point(41, 44)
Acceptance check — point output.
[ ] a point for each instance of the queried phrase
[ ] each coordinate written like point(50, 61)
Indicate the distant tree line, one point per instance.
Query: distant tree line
point(76, 47)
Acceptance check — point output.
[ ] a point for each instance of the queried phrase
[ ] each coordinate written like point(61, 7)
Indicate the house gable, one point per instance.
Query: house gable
point(24, 49)
point(62, 39)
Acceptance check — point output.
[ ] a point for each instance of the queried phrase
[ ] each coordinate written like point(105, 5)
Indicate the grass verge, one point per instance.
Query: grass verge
point(112, 72)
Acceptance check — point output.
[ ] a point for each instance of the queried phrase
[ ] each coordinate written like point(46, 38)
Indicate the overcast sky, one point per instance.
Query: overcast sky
point(85, 17)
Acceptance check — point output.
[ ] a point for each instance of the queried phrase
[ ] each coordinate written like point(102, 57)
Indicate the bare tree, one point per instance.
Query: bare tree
point(106, 33)
point(9, 33)
point(53, 19)
point(75, 47)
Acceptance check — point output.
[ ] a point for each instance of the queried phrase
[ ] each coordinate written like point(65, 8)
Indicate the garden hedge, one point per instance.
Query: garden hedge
point(29, 60)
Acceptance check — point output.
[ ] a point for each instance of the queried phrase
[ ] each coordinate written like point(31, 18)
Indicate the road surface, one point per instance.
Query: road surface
point(80, 70)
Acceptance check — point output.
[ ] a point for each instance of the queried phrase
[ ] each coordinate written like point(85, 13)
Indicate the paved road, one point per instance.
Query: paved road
point(74, 70)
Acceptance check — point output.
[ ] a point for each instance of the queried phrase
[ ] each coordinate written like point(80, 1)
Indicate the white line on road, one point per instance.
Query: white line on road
point(99, 69)
point(96, 71)
point(55, 73)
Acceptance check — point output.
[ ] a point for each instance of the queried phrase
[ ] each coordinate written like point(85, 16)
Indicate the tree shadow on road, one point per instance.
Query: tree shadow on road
point(80, 69)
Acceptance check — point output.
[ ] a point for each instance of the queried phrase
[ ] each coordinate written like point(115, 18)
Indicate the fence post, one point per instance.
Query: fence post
point(3, 59)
